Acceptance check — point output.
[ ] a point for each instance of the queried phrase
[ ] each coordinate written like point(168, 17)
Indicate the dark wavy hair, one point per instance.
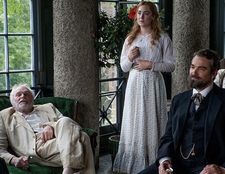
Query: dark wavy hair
point(210, 55)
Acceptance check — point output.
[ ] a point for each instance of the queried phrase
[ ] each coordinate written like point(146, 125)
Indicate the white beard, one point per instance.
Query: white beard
point(23, 107)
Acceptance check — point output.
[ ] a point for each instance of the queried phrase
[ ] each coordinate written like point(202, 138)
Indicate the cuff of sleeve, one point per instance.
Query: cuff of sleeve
point(153, 66)
point(164, 159)
point(10, 161)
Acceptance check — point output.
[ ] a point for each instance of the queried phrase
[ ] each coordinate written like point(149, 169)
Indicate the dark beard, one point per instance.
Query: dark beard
point(198, 84)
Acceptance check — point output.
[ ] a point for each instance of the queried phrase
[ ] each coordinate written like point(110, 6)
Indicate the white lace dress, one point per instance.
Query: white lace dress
point(145, 113)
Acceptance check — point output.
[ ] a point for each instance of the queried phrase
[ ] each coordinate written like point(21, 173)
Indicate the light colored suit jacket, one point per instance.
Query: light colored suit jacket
point(17, 134)
point(71, 146)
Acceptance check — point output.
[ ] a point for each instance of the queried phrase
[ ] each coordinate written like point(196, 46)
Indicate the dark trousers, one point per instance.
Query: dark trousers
point(3, 167)
point(152, 169)
point(180, 167)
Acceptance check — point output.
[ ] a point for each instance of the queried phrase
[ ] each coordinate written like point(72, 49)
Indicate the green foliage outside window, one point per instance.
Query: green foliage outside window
point(19, 52)
point(18, 44)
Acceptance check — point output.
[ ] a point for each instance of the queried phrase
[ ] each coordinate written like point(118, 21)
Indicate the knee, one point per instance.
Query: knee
point(65, 120)
point(67, 123)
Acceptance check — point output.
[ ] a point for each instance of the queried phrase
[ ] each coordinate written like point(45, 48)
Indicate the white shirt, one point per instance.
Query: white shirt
point(35, 122)
point(204, 93)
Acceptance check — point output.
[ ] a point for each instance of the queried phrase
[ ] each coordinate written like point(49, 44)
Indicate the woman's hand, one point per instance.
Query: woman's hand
point(141, 64)
point(133, 54)
point(47, 133)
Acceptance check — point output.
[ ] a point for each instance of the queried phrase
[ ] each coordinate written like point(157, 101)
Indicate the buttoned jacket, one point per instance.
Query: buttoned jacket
point(16, 133)
point(214, 126)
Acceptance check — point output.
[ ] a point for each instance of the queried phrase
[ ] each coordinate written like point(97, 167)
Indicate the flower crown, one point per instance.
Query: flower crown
point(132, 12)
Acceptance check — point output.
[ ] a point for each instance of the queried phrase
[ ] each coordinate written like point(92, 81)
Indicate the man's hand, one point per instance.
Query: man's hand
point(213, 169)
point(21, 162)
point(47, 133)
point(165, 167)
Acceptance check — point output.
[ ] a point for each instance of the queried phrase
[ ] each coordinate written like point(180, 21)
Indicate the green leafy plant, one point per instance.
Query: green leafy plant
point(112, 32)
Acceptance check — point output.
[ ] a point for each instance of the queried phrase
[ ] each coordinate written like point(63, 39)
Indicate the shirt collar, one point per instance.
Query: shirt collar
point(26, 115)
point(205, 91)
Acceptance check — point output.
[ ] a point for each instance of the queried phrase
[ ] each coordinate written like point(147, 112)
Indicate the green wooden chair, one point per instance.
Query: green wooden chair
point(68, 107)
point(4, 102)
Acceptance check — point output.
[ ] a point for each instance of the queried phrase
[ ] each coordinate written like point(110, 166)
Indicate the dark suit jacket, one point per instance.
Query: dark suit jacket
point(214, 133)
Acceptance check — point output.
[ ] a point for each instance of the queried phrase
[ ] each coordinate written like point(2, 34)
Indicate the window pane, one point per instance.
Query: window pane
point(111, 111)
point(17, 78)
point(110, 72)
point(17, 41)
point(2, 55)
point(19, 52)
point(109, 8)
point(1, 17)
point(108, 86)
point(131, 5)
point(2, 82)
point(108, 92)
point(18, 16)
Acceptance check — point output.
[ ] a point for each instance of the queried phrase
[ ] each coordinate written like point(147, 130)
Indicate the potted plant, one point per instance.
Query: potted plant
point(113, 145)
point(112, 32)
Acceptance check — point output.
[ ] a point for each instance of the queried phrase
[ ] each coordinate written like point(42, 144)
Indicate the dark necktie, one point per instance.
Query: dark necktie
point(197, 98)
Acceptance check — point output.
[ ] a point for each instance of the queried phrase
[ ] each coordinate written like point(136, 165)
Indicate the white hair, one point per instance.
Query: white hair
point(15, 87)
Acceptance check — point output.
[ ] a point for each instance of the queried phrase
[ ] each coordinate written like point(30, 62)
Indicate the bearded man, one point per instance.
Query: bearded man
point(194, 140)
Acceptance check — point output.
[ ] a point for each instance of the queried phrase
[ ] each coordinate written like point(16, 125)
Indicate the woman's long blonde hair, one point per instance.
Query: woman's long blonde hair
point(155, 24)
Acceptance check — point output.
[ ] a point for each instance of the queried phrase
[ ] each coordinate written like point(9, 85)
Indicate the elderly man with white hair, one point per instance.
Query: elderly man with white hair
point(41, 133)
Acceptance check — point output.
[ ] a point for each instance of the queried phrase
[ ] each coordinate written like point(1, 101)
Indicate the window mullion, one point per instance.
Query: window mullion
point(32, 41)
point(6, 44)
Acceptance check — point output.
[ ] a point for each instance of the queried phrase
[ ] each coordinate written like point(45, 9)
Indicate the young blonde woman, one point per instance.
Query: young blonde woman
point(147, 52)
